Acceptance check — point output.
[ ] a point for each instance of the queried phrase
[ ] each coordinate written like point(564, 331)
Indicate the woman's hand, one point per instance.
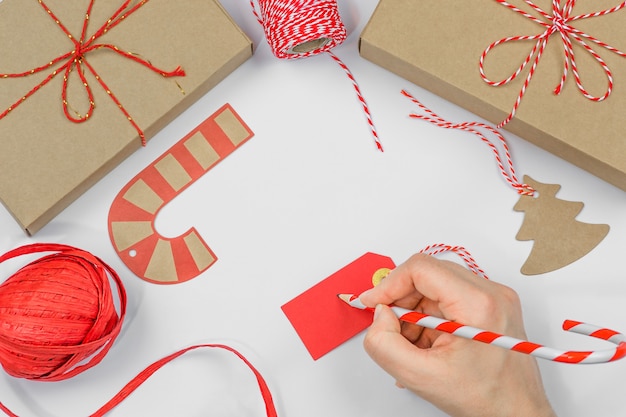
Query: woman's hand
point(462, 377)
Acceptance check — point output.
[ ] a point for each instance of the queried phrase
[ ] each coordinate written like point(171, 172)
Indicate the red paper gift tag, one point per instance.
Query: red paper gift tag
point(321, 319)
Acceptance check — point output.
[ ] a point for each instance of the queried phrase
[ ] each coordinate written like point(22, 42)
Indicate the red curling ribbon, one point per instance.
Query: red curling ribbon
point(142, 377)
point(559, 22)
point(270, 409)
point(77, 58)
point(58, 319)
point(508, 171)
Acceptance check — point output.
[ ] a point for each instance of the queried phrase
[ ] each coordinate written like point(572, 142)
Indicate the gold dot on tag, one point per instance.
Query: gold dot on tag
point(379, 275)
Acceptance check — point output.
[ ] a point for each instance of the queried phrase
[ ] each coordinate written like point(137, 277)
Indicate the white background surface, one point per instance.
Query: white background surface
point(308, 194)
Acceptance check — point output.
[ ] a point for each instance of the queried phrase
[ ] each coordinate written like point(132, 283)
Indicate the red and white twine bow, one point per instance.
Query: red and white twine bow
point(508, 171)
point(77, 58)
point(558, 22)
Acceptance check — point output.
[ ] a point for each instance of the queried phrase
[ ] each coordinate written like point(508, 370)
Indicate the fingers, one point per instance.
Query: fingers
point(387, 346)
point(421, 277)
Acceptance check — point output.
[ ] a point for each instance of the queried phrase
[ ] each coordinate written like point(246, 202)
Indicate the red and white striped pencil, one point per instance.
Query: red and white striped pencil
point(511, 343)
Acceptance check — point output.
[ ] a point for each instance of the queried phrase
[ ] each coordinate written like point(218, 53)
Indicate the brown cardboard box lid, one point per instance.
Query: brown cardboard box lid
point(437, 45)
point(47, 161)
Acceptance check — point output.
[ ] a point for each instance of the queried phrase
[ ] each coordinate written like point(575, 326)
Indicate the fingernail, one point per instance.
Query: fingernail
point(365, 292)
point(377, 310)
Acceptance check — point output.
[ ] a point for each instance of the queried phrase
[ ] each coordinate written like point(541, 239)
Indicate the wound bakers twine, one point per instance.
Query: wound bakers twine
point(58, 318)
point(302, 28)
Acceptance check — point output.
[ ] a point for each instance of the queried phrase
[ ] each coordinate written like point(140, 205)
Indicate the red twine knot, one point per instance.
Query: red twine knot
point(57, 314)
point(76, 59)
point(557, 22)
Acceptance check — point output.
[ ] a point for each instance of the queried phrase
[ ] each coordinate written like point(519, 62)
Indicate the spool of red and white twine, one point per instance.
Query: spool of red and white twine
point(302, 28)
point(58, 318)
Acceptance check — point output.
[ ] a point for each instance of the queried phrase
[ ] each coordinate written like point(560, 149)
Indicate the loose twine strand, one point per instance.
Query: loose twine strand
point(508, 170)
point(290, 23)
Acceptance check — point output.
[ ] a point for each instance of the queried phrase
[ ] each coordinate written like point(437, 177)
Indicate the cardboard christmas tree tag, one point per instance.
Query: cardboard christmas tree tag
point(550, 222)
point(559, 239)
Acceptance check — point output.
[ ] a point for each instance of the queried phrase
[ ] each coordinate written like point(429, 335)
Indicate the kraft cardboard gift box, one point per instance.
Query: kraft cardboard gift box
point(47, 161)
point(437, 45)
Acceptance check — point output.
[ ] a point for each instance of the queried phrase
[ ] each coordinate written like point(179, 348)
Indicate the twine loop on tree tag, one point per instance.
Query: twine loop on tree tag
point(550, 222)
point(507, 171)
point(558, 22)
point(76, 59)
point(303, 28)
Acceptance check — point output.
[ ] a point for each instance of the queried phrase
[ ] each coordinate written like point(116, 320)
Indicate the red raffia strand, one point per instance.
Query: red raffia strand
point(288, 23)
point(508, 172)
point(558, 22)
point(78, 56)
point(270, 409)
point(438, 248)
point(58, 319)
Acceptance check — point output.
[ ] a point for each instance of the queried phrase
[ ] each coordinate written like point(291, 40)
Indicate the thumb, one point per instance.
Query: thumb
point(387, 346)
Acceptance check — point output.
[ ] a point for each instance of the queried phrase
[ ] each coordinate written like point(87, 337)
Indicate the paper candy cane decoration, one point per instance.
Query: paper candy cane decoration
point(149, 255)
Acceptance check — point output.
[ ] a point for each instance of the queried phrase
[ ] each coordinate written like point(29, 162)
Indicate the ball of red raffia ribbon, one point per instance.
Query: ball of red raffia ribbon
point(58, 314)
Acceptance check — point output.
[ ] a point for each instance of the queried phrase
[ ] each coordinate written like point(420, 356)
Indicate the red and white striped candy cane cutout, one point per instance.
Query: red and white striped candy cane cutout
point(149, 255)
point(511, 343)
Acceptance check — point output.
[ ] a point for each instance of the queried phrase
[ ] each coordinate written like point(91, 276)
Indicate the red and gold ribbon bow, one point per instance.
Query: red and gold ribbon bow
point(559, 22)
point(77, 59)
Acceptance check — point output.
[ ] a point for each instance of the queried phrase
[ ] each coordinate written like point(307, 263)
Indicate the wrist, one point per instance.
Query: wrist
point(539, 407)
